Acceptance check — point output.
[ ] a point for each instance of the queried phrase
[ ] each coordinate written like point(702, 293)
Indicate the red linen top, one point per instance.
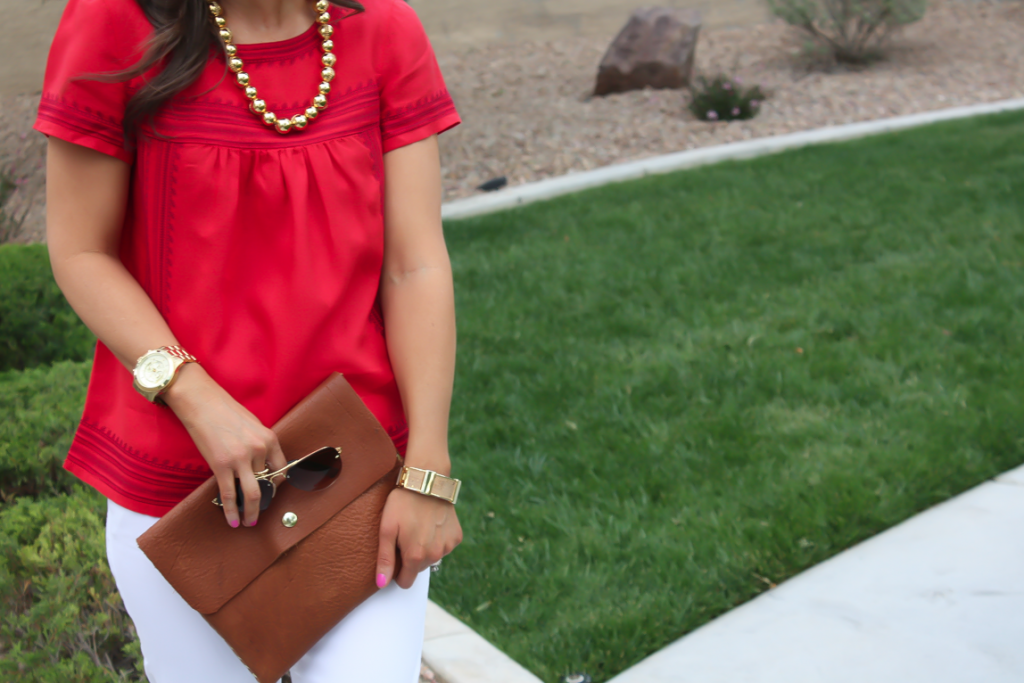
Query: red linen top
point(263, 252)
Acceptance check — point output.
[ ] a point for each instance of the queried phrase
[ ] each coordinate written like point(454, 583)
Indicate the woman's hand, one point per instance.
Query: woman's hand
point(424, 528)
point(230, 438)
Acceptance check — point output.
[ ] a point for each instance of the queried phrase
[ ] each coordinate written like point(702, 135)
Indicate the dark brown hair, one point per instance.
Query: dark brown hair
point(183, 35)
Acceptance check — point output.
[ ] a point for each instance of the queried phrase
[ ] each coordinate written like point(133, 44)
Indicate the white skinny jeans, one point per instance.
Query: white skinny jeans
point(380, 641)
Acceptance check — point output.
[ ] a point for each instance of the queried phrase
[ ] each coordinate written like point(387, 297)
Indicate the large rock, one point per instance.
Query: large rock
point(655, 49)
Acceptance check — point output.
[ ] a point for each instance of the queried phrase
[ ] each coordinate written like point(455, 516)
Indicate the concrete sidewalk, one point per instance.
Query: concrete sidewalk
point(936, 599)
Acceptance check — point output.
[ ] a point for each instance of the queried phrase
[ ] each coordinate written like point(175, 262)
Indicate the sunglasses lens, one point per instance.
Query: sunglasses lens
point(266, 493)
point(317, 471)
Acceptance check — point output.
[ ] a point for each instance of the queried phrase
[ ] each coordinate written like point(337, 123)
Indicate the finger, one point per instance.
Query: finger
point(413, 562)
point(275, 456)
point(226, 484)
point(386, 553)
point(251, 496)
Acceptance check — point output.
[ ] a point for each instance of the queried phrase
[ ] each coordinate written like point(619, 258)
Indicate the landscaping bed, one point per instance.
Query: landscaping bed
point(528, 115)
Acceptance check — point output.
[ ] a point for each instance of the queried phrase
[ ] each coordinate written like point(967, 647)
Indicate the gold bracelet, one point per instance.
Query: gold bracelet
point(430, 483)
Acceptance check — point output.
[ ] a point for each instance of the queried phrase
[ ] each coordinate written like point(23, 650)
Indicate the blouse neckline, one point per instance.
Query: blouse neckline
point(278, 47)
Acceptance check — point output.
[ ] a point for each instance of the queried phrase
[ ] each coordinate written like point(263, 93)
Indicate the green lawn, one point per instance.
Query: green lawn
point(674, 391)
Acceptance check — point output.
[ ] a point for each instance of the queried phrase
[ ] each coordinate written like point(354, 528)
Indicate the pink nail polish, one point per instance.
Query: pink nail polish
point(254, 522)
point(381, 580)
point(234, 523)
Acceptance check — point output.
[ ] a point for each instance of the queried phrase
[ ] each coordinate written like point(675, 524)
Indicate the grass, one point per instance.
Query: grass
point(675, 392)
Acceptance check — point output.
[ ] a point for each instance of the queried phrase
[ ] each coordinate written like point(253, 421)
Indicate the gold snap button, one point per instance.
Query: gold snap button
point(290, 519)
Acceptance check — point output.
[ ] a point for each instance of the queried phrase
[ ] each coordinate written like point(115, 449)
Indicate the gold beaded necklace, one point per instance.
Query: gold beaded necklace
point(258, 106)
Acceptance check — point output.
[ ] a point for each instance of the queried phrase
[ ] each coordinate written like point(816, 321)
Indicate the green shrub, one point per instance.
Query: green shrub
point(724, 99)
point(37, 326)
point(853, 31)
point(62, 618)
point(39, 411)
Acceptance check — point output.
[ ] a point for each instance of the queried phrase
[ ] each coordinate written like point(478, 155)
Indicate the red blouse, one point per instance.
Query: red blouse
point(263, 252)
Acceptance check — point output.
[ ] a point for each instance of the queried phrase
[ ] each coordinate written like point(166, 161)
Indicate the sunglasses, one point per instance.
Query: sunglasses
point(313, 472)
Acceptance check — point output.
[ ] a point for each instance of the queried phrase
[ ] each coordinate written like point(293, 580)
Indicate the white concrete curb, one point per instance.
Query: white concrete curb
point(616, 173)
point(458, 655)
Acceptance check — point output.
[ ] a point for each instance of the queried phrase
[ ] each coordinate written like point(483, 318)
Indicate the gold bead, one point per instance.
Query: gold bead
point(225, 35)
point(299, 121)
point(327, 74)
point(231, 50)
point(243, 79)
point(258, 106)
point(322, 5)
point(329, 59)
point(326, 30)
point(324, 18)
point(320, 102)
point(283, 125)
point(327, 46)
point(250, 92)
point(324, 88)
point(269, 118)
point(311, 113)
point(235, 64)
point(221, 22)
point(215, 9)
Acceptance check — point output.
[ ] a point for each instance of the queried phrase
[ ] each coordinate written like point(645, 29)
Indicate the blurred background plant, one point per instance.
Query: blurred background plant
point(850, 31)
point(722, 98)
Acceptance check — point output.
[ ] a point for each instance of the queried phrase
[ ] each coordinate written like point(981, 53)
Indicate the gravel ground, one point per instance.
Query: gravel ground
point(528, 114)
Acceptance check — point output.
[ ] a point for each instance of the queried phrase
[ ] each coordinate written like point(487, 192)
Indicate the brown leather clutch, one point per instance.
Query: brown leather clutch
point(273, 590)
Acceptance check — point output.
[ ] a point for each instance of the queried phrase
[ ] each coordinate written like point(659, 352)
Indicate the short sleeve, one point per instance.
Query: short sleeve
point(415, 103)
point(94, 37)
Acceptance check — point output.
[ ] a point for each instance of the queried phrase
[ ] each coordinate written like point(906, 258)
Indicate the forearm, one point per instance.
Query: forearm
point(419, 320)
point(112, 304)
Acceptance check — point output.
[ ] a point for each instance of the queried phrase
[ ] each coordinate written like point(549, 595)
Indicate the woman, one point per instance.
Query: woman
point(236, 213)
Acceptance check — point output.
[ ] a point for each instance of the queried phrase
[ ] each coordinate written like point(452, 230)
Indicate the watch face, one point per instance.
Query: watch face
point(154, 371)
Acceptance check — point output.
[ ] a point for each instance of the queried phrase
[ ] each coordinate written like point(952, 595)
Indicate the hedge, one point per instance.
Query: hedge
point(62, 618)
point(39, 411)
point(37, 326)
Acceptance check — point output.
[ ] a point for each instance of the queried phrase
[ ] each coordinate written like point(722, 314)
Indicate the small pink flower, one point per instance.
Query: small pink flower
point(755, 103)
point(737, 80)
point(712, 115)
point(727, 85)
point(735, 111)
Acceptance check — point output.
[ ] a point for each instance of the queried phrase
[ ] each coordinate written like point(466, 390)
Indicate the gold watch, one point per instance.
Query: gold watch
point(156, 371)
point(430, 483)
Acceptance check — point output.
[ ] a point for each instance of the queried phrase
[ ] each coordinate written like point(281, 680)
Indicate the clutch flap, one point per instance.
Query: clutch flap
point(208, 562)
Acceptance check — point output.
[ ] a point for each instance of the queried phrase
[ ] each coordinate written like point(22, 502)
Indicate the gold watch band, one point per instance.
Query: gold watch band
point(430, 483)
point(179, 353)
